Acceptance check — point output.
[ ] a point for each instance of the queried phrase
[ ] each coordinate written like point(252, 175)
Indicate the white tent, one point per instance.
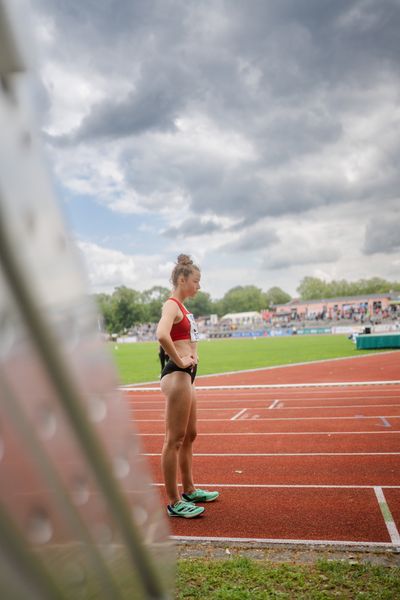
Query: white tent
point(241, 318)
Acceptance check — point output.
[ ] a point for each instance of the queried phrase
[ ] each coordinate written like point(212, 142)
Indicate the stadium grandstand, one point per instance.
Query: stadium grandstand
point(374, 308)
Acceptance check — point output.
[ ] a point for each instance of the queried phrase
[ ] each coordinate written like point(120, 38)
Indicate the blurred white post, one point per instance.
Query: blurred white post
point(78, 514)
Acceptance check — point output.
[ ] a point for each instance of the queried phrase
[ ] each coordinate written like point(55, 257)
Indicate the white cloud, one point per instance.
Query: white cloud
point(108, 268)
point(72, 95)
point(199, 135)
point(305, 244)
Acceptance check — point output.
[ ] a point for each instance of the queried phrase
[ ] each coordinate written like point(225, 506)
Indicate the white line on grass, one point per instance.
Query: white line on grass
point(387, 515)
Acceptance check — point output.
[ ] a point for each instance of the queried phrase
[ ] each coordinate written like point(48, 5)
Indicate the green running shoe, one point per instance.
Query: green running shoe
point(187, 510)
point(200, 496)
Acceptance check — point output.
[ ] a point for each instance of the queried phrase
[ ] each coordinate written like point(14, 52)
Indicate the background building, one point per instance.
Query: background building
point(359, 308)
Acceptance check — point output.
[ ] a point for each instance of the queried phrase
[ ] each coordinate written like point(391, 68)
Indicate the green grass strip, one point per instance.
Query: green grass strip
point(245, 579)
point(138, 363)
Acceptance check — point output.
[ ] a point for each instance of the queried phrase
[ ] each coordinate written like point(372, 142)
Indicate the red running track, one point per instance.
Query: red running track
point(373, 367)
point(300, 465)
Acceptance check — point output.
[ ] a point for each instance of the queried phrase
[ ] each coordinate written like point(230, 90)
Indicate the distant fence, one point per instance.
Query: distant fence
point(347, 329)
point(288, 331)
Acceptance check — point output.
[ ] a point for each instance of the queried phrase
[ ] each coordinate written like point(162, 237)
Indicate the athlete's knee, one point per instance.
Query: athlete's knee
point(190, 436)
point(175, 440)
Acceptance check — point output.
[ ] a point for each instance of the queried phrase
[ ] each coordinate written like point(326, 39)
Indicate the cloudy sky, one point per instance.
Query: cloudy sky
point(260, 136)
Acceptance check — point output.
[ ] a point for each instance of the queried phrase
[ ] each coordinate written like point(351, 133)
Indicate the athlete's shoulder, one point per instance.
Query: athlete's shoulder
point(171, 307)
point(177, 303)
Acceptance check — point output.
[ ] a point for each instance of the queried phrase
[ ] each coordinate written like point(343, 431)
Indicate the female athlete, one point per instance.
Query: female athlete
point(178, 335)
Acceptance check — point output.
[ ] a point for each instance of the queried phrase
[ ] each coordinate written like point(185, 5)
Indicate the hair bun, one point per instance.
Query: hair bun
point(184, 259)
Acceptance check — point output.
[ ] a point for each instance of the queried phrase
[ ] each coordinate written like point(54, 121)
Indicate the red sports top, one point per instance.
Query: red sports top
point(186, 328)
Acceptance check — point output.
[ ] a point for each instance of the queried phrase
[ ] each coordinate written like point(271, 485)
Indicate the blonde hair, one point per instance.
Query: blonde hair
point(184, 266)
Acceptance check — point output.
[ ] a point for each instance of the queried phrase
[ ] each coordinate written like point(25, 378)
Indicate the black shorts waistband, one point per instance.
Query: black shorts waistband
point(170, 367)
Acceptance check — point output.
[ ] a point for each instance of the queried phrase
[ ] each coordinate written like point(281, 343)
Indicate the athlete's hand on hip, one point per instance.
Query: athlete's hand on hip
point(186, 361)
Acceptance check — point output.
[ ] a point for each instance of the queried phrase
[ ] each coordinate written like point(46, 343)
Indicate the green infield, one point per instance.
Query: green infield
point(138, 363)
point(241, 578)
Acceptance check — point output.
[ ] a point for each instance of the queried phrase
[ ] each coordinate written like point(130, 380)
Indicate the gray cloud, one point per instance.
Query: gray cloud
point(192, 227)
point(152, 107)
point(252, 241)
point(300, 256)
point(382, 235)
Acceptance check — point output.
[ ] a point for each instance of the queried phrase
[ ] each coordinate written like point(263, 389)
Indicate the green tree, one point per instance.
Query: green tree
point(243, 299)
point(276, 295)
point(153, 299)
point(217, 308)
point(375, 285)
point(127, 309)
point(200, 305)
point(339, 288)
point(312, 288)
point(157, 292)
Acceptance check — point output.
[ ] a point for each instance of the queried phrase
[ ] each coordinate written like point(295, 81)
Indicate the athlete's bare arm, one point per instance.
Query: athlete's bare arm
point(169, 314)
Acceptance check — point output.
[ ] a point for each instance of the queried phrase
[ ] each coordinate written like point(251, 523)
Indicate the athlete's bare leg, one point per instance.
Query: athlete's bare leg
point(185, 453)
point(177, 389)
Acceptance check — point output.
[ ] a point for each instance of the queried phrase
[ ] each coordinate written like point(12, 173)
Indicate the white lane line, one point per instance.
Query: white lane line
point(325, 407)
point(278, 419)
point(387, 515)
point(257, 454)
point(239, 414)
point(289, 486)
point(277, 404)
point(243, 397)
point(270, 386)
point(334, 396)
point(346, 406)
point(345, 543)
point(328, 433)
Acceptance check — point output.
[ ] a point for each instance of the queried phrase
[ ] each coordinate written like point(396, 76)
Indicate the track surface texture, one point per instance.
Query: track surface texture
point(296, 465)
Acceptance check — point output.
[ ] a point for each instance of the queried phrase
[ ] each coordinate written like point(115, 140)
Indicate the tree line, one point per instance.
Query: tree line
point(126, 307)
point(312, 288)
